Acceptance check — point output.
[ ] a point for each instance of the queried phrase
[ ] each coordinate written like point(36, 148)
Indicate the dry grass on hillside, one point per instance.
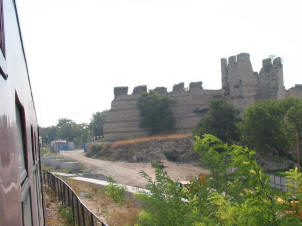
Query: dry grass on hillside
point(145, 139)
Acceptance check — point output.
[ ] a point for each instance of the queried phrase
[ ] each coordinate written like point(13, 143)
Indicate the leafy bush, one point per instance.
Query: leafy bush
point(46, 151)
point(156, 163)
point(89, 154)
point(114, 191)
point(66, 213)
point(165, 204)
point(241, 197)
point(96, 147)
point(156, 113)
point(94, 150)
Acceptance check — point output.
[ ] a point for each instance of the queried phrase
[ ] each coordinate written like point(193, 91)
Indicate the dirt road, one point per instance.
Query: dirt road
point(128, 173)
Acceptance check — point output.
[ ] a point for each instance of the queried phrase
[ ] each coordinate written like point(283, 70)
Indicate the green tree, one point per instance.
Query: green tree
point(48, 134)
point(156, 113)
point(294, 116)
point(83, 133)
point(265, 128)
point(220, 121)
point(97, 122)
point(67, 129)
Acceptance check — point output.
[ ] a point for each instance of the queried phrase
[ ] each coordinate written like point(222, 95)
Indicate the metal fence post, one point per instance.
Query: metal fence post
point(78, 212)
point(72, 204)
point(83, 215)
point(68, 197)
point(91, 219)
point(63, 191)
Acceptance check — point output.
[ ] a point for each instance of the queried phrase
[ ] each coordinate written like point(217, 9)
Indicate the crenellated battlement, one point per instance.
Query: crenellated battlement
point(177, 88)
point(277, 62)
point(120, 91)
point(237, 59)
point(195, 86)
point(268, 64)
point(241, 86)
point(138, 90)
point(161, 91)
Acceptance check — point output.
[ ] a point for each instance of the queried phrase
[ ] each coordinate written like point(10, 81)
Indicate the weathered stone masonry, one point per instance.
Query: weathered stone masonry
point(241, 86)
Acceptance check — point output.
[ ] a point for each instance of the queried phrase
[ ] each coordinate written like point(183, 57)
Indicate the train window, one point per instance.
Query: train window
point(36, 148)
point(38, 194)
point(33, 144)
point(20, 141)
point(2, 43)
point(2, 40)
point(26, 205)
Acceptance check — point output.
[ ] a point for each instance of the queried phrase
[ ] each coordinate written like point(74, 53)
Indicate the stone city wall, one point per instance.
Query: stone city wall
point(241, 86)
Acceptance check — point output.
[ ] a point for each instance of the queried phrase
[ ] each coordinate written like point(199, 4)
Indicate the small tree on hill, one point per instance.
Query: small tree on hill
point(97, 122)
point(156, 113)
point(220, 121)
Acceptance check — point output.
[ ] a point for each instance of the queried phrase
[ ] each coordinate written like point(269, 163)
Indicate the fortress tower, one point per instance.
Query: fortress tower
point(239, 81)
point(271, 84)
point(243, 87)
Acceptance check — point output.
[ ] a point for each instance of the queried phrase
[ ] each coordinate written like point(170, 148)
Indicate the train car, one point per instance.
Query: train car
point(21, 200)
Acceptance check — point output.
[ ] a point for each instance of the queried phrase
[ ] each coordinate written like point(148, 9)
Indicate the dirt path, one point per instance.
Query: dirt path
point(128, 173)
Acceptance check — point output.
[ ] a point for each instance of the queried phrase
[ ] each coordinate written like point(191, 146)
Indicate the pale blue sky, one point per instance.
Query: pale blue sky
point(77, 51)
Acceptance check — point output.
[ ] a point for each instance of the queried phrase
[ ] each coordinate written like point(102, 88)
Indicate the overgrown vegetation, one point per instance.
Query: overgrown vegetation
point(242, 196)
point(46, 152)
point(270, 127)
point(66, 213)
point(94, 150)
point(114, 191)
point(52, 207)
point(156, 113)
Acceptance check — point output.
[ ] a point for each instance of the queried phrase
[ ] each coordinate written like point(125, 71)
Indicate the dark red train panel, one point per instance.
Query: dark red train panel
point(20, 183)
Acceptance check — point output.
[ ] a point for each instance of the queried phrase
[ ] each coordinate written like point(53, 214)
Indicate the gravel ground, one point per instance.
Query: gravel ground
point(128, 173)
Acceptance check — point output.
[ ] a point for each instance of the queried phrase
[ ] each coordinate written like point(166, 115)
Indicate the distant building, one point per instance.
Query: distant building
point(59, 145)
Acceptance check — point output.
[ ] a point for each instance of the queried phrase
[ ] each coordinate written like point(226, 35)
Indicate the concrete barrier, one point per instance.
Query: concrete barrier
point(70, 165)
point(61, 163)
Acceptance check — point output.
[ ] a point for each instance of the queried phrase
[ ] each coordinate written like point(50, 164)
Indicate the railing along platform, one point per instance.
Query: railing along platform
point(82, 215)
